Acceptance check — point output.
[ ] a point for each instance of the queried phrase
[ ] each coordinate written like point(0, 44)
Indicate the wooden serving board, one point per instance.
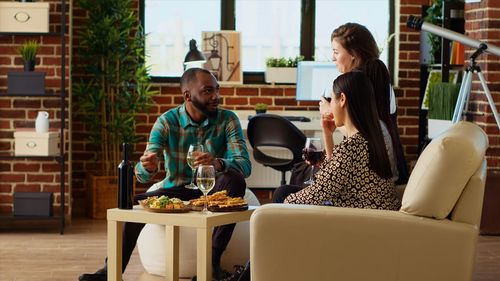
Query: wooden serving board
point(217, 209)
point(163, 210)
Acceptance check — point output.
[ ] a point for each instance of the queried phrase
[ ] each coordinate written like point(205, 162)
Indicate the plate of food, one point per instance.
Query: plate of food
point(164, 204)
point(219, 202)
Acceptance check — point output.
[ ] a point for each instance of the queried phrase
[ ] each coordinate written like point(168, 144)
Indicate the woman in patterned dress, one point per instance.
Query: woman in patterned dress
point(356, 173)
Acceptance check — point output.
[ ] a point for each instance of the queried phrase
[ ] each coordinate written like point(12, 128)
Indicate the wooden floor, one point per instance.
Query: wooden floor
point(43, 255)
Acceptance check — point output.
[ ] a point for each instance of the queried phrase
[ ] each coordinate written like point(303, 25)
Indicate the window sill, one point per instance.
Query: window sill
point(224, 85)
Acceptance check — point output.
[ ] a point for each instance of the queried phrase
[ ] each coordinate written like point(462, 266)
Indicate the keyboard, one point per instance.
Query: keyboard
point(290, 118)
point(297, 118)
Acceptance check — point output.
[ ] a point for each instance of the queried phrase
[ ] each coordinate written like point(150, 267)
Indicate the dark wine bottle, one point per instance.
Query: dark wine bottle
point(125, 177)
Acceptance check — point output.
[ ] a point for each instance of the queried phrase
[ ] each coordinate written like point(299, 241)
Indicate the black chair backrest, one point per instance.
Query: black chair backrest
point(274, 130)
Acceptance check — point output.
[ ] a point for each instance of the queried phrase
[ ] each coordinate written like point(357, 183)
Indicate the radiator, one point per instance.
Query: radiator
point(267, 177)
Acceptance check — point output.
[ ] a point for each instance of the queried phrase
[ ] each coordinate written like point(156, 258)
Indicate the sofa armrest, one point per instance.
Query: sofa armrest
point(299, 242)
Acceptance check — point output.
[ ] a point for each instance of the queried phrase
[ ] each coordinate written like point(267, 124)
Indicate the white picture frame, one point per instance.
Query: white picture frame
point(223, 53)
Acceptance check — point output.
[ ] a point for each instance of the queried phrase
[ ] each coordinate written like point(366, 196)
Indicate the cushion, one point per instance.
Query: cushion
point(443, 169)
point(152, 253)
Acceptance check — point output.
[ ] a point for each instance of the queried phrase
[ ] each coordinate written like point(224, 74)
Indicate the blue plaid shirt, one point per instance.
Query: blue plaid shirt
point(174, 131)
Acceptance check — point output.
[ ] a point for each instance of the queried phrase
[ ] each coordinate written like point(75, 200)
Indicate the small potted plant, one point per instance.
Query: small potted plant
point(28, 52)
point(27, 82)
point(282, 70)
point(260, 108)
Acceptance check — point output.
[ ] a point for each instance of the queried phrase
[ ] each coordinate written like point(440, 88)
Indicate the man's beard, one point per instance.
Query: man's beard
point(203, 108)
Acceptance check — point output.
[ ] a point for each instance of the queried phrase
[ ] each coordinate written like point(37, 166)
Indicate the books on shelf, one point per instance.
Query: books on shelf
point(457, 53)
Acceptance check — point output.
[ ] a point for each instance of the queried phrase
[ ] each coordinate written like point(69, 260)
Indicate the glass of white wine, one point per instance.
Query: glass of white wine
point(191, 156)
point(206, 181)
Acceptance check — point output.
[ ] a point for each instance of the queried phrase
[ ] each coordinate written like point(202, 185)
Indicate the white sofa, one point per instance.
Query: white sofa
point(432, 238)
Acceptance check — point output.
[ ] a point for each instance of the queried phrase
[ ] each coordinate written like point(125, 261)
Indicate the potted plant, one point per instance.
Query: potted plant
point(282, 70)
point(28, 52)
point(115, 88)
point(260, 108)
point(27, 82)
point(442, 101)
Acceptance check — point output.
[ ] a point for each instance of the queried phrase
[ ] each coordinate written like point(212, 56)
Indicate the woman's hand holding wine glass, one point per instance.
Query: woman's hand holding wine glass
point(312, 154)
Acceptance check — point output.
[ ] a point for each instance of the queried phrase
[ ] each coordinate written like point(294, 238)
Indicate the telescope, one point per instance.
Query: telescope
point(418, 24)
point(465, 87)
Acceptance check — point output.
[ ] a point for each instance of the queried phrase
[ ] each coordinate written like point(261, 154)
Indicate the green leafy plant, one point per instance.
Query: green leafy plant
point(284, 62)
point(442, 100)
point(261, 107)
point(116, 85)
point(435, 16)
point(28, 50)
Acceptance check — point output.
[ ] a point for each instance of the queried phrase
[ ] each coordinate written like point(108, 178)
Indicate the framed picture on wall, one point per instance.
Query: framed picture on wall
point(223, 52)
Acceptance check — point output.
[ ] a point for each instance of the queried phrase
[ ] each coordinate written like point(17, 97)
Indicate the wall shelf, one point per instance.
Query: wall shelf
point(3, 94)
point(31, 33)
point(10, 156)
point(60, 158)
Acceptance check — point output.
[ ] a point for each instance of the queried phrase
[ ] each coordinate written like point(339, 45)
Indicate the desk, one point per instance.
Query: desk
point(314, 125)
point(202, 223)
point(265, 177)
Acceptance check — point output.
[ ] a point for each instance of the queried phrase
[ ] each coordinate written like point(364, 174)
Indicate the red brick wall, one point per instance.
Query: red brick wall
point(482, 22)
point(408, 90)
point(17, 175)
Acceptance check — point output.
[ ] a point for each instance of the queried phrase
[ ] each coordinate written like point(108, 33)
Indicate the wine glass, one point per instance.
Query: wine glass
point(312, 152)
point(191, 156)
point(206, 181)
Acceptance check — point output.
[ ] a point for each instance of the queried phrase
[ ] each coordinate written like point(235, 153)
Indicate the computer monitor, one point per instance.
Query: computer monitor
point(315, 79)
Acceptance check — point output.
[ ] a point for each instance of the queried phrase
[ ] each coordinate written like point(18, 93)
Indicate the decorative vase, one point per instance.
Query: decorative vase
point(29, 65)
point(42, 122)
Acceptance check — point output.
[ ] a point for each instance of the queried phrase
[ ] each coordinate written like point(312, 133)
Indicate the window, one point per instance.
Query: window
point(374, 14)
point(268, 28)
point(170, 25)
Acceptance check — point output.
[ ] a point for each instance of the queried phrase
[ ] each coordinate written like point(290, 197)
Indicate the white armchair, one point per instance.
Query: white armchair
point(433, 237)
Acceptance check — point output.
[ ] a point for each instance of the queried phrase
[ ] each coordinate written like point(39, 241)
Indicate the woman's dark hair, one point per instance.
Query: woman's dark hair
point(362, 110)
point(357, 40)
point(380, 78)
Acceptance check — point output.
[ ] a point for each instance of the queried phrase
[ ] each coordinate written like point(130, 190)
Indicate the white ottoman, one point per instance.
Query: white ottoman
point(152, 248)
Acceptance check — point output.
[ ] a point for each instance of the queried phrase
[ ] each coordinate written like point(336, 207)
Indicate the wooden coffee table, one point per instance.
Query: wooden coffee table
point(172, 221)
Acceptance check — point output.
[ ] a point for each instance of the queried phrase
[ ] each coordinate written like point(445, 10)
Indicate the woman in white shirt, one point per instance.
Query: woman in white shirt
point(354, 48)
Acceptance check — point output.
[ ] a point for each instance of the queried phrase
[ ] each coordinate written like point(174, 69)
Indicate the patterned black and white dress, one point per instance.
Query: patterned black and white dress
point(347, 181)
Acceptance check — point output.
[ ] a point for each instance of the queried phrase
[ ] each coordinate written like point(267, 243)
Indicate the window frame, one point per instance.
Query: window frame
point(307, 34)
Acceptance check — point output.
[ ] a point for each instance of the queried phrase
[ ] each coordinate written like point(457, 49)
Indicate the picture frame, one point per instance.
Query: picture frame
point(223, 52)
point(435, 76)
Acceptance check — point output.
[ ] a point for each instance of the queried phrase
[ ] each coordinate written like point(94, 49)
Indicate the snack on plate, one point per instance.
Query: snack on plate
point(219, 200)
point(163, 202)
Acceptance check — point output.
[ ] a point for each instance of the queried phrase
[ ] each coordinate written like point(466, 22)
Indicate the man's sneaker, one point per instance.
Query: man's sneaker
point(100, 275)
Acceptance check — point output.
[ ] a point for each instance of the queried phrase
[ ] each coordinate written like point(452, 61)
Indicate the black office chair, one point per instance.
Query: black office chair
point(274, 130)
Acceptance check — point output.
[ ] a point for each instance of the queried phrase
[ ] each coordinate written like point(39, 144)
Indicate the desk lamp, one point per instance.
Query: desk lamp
point(194, 56)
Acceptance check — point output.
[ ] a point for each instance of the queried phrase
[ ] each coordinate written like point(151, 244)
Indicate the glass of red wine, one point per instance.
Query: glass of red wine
point(312, 153)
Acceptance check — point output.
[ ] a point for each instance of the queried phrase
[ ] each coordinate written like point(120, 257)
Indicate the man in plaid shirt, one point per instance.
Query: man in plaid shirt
point(198, 120)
